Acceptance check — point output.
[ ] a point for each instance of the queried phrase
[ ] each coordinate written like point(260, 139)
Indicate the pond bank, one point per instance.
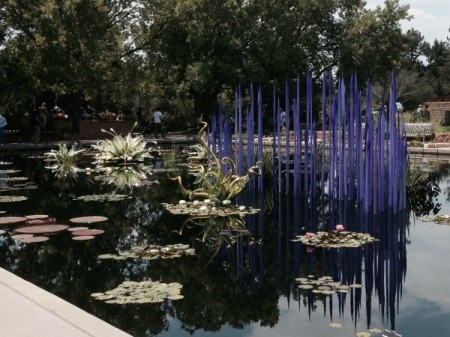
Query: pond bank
point(27, 310)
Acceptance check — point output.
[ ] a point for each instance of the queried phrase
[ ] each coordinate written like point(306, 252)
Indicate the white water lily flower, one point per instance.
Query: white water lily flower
point(206, 201)
point(203, 208)
point(242, 208)
point(226, 202)
point(182, 202)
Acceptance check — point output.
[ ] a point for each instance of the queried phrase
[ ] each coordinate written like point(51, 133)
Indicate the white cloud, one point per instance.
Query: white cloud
point(431, 17)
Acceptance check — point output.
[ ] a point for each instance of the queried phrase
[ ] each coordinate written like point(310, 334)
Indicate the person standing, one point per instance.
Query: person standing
point(44, 115)
point(75, 119)
point(37, 121)
point(3, 123)
point(158, 122)
point(426, 113)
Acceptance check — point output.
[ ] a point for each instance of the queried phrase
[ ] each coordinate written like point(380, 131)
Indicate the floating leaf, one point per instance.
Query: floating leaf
point(89, 219)
point(21, 236)
point(44, 229)
point(88, 232)
point(83, 237)
point(34, 239)
point(153, 252)
point(10, 220)
point(141, 292)
point(37, 216)
point(74, 229)
point(335, 325)
point(104, 197)
point(305, 286)
point(375, 330)
point(12, 198)
point(363, 334)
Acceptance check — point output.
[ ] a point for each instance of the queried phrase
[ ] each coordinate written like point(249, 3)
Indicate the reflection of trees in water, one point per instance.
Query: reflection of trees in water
point(242, 284)
point(423, 187)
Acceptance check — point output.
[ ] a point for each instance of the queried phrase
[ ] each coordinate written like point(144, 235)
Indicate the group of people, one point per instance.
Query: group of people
point(421, 114)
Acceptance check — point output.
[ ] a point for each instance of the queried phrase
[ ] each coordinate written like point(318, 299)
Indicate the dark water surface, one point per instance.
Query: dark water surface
point(246, 290)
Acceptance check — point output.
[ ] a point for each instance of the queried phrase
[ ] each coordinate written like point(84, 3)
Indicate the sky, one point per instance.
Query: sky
point(431, 17)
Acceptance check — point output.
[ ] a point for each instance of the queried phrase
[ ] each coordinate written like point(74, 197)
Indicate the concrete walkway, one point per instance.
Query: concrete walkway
point(29, 311)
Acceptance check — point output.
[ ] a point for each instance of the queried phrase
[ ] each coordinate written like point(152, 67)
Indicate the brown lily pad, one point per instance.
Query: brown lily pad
point(44, 229)
point(88, 232)
point(83, 237)
point(21, 236)
point(37, 216)
point(39, 222)
point(76, 229)
point(10, 220)
point(89, 219)
point(34, 239)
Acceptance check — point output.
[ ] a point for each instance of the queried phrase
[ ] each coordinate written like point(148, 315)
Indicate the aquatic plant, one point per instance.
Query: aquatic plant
point(217, 179)
point(141, 292)
point(208, 208)
point(65, 160)
point(125, 177)
point(119, 149)
point(335, 239)
point(64, 156)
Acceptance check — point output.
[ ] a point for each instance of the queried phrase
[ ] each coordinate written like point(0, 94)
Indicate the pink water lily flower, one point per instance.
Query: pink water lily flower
point(309, 235)
point(339, 228)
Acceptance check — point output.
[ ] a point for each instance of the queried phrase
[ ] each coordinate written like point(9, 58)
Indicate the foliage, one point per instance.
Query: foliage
point(182, 54)
point(422, 189)
point(213, 183)
point(121, 149)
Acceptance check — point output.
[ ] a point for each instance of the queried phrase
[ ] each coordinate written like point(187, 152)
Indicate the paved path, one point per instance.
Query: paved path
point(29, 311)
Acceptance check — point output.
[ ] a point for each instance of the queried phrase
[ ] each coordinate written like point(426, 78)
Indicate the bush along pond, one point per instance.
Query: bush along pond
point(302, 230)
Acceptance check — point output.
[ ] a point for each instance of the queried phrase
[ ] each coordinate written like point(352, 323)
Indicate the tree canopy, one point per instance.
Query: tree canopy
point(182, 53)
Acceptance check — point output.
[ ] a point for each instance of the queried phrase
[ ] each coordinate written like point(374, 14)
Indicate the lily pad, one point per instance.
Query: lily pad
point(11, 220)
point(363, 334)
point(88, 232)
point(39, 222)
point(83, 237)
point(44, 229)
point(104, 197)
point(335, 325)
point(75, 229)
point(375, 330)
point(89, 219)
point(21, 236)
point(34, 239)
point(152, 252)
point(37, 216)
point(12, 198)
point(141, 293)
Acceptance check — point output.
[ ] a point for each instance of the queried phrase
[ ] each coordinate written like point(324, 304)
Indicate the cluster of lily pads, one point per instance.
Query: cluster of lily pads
point(367, 333)
point(208, 208)
point(152, 252)
point(335, 239)
point(439, 219)
point(324, 285)
point(38, 227)
point(103, 197)
point(141, 292)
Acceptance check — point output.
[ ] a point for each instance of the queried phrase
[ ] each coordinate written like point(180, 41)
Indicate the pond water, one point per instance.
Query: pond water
point(247, 287)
